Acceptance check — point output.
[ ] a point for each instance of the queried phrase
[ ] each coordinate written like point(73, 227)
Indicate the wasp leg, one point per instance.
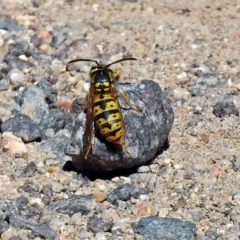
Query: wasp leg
point(117, 76)
point(90, 143)
point(120, 94)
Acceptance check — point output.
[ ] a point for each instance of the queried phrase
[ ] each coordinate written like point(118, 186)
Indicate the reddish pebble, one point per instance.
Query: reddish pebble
point(204, 137)
point(44, 35)
point(65, 102)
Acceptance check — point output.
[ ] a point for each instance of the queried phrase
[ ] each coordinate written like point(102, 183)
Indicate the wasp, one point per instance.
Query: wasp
point(103, 109)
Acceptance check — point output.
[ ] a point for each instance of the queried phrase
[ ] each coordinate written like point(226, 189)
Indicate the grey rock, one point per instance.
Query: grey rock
point(48, 91)
point(21, 202)
point(146, 131)
point(225, 108)
point(8, 208)
point(55, 120)
point(44, 58)
point(56, 144)
point(4, 85)
point(148, 179)
point(211, 65)
point(3, 226)
point(155, 228)
point(47, 193)
point(199, 88)
point(29, 212)
point(82, 204)
point(97, 224)
point(29, 170)
point(125, 192)
point(212, 233)
point(44, 231)
point(22, 126)
point(19, 222)
point(33, 103)
point(9, 24)
point(15, 62)
point(29, 187)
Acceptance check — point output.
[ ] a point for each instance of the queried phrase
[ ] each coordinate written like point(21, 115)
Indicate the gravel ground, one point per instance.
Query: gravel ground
point(190, 49)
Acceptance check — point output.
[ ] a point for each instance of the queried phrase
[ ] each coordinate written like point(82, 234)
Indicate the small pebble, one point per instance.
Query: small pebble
point(16, 78)
point(4, 85)
point(143, 169)
point(14, 145)
point(83, 234)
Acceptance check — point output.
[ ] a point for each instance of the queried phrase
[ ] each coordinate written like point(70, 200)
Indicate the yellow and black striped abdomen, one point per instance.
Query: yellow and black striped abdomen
point(108, 119)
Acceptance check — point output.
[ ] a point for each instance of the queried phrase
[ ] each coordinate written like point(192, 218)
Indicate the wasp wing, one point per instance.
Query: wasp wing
point(89, 130)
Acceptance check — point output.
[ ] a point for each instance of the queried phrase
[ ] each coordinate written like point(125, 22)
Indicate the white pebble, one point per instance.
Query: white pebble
point(125, 179)
point(84, 234)
point(143, 197)
point(76, 218)
point(16, 78)
point(143, 169)
point(37, 202)
point(86, 87)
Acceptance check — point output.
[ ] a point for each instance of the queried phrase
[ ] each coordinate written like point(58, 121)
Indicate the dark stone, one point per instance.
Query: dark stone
point(19, 222)
point(36, 3)
point(199, 89)
point(42, 57)
point(29, 212)
point(29, 187)
point(3, 226)
point(125, 192)
point(15, 62)
point(36, 41)
point(9, 24)
point(47, 192)
point(83, 204)
point(48, 90)
point(56, 144)
point(165, 228)
point(22, 126)
point(97, 224)
point(44, 231)
point(225, 108)
point(29, 170)
point(21, 202)
point(146, 131)
point(19, 48)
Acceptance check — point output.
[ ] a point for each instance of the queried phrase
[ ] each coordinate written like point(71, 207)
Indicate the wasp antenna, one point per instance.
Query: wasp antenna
point(82, 60)
point(120, 60)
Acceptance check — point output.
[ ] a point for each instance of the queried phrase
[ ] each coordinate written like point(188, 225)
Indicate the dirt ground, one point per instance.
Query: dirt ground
point(192, 50)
